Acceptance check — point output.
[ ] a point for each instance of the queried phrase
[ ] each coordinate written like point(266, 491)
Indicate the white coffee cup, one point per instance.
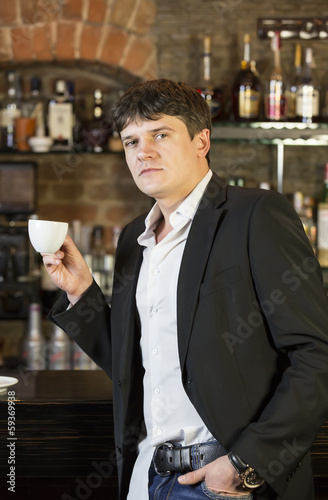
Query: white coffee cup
point(47, 236)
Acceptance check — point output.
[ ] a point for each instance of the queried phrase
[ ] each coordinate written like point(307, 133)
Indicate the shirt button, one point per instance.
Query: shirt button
point(154, 310)
point(157, 390)
point(156, 271)
point(155, 351)
point(159, 432)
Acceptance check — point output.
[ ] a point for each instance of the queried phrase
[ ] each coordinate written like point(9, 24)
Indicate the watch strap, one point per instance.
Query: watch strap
point(237, 462)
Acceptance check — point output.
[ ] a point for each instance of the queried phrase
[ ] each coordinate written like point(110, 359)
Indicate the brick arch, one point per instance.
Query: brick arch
point(113, 33)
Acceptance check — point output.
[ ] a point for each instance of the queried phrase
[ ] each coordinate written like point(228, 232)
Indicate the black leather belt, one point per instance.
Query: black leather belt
point(171, 458)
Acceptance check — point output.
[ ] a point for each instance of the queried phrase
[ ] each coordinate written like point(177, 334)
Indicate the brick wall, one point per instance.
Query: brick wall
point(108, 31)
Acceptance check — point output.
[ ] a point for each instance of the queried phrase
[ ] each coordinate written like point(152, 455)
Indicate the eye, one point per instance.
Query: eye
point(161, 136)
point(130, 144)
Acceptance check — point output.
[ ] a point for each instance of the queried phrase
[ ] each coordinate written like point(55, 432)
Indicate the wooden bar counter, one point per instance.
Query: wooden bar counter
point(64, 428)
point(65, 448)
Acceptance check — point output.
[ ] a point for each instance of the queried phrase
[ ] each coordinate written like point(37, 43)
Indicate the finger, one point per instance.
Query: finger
point(193, 477)
point(69, 245)
point(60, 254)
point(51, 260)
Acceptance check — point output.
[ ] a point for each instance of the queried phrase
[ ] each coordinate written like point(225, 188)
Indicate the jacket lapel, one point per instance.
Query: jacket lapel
point(126, 276)
point(196, 253)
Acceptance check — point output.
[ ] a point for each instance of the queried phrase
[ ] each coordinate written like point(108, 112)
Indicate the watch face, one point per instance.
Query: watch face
point(252, 479)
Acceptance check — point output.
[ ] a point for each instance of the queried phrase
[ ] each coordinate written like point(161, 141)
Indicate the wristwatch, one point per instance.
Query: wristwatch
point(249, 478)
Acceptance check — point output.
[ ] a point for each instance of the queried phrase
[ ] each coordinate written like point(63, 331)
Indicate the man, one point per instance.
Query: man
point(216, 341)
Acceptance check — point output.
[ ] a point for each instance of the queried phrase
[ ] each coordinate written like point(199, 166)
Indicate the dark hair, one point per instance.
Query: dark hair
point(151, 99)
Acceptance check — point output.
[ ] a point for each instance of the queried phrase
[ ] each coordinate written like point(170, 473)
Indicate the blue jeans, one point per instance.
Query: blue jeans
point(169, 488)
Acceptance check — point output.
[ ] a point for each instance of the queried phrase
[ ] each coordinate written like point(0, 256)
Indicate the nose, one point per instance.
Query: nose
point(145, 152)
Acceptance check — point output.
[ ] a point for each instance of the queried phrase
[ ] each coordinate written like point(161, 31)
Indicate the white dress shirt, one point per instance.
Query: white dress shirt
point(169, 414)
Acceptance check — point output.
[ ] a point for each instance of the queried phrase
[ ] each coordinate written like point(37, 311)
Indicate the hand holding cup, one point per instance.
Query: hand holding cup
point(66, 268)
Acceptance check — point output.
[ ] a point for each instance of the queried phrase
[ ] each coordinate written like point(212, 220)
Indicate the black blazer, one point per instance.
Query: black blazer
point(252, 335)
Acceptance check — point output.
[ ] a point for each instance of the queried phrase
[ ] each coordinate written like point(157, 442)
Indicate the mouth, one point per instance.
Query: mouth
point(146, 171)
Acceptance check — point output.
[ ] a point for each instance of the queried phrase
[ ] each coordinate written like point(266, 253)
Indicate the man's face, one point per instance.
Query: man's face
point(164, 162)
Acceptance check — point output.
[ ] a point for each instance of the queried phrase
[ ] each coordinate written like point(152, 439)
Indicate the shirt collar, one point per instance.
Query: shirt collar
point(189, 206)
point(187, 209)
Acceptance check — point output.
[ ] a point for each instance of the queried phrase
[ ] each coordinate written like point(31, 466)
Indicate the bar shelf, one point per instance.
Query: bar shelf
point(279, 134)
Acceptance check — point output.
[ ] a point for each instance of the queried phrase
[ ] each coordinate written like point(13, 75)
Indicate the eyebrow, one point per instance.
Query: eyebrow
point(152, 131)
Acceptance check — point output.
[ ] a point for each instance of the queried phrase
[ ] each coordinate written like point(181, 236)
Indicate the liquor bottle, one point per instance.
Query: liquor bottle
point(322, 223)
point(213, 95)
point(246, 90)
point(96, 131)
point(34, 106)
point(59, 350)
point(60, 118)
point(34, 342)
point(294, 82)
point(308, 92)
point(11, 109)
point(276, 105)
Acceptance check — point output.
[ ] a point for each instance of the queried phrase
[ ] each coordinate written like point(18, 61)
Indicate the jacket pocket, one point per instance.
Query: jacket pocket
point(220, 281)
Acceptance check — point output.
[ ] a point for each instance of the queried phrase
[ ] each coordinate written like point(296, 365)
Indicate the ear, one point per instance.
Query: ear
point(203, 142)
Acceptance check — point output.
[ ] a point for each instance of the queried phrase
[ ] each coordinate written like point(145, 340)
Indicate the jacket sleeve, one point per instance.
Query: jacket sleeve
point(281, 259)
point(88, 323)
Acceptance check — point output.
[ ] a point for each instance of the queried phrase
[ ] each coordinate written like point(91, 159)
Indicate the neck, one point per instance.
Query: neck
point(167, 207)
point(163, 229)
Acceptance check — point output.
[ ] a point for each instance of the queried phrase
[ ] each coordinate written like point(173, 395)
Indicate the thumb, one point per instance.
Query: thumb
point(193, 477)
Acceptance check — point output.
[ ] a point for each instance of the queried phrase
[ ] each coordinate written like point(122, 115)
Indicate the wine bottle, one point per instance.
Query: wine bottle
point(276, 105)
point(96, 132)
point(213, 95)
point(34, 106)
point(246, 91)
point(76, 123)
point(294, 82)
point(11, 109)
point(60, 118)
point(308, 92)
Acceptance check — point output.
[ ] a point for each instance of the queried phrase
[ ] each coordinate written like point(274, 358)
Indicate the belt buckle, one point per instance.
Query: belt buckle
point(165, 446)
